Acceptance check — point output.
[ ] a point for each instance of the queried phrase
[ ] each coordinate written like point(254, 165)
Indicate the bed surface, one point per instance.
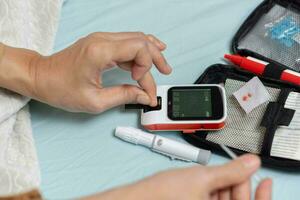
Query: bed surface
point(78, 153)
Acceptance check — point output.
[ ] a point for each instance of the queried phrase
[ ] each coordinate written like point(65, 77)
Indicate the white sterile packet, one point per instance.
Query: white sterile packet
point(252, 94)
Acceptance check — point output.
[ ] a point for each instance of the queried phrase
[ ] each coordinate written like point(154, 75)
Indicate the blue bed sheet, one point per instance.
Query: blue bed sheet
point(78, 153)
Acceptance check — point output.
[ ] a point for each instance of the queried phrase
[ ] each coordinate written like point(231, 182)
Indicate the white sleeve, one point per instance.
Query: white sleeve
point(30, 24)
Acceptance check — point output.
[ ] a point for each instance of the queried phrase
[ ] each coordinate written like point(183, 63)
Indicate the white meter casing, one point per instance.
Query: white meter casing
point(187, 108)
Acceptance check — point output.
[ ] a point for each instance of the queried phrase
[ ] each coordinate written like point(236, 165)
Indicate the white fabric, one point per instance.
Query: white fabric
point(30, 24)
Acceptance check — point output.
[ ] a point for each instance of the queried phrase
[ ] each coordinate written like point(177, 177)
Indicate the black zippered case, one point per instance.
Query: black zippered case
point(271, 33)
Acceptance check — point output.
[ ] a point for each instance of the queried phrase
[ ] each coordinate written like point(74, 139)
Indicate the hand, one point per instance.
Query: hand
point(229, 181)
point(71, 79)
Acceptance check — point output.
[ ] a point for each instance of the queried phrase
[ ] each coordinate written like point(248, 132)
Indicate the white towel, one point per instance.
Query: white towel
point(30, 24)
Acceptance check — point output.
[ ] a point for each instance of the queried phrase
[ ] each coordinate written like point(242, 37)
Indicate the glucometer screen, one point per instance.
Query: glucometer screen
point(194, 103)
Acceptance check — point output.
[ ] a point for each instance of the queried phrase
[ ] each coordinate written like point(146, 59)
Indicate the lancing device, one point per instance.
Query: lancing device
point(168, 147)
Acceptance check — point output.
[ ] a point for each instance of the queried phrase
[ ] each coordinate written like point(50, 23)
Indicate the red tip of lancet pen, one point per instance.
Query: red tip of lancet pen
point(236, 59)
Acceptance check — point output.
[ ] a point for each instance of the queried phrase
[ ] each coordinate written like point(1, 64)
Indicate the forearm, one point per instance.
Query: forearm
point(140, 190)
point(125, 193)
point(16, 72)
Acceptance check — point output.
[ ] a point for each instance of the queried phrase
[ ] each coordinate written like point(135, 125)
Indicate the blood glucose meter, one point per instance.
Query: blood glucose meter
point(186, 108)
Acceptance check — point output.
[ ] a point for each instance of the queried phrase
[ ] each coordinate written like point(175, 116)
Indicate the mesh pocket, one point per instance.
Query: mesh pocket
point(242, 131)
point(276, 36)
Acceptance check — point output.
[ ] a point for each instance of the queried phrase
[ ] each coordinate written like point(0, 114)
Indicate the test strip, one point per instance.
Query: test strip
point(232, 155)
point(228, 151)
point(134, 106)
point(146, 108)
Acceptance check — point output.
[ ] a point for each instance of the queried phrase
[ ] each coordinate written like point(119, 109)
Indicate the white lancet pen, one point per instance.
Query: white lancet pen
point(163, 145)
point(232, 155)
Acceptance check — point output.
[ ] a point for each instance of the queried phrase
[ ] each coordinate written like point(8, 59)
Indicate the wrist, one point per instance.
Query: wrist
point(16, 71)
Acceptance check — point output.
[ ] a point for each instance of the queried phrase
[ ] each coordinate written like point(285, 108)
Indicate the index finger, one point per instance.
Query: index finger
point(130, 35)
point(242, 191)
point(141, 53)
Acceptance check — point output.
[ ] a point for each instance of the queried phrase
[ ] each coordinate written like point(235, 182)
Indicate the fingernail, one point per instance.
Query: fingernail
point(143, 99)
point(269, 179)
point(170, 68)
point(270, 182)
point(250, 162)
point(163, 44)
point(159, 45)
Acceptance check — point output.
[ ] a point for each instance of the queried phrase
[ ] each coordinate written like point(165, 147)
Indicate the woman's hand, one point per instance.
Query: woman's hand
point(72, 78)
point(229, 181)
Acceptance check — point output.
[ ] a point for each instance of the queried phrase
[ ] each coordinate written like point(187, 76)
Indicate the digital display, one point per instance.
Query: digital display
point(192, 103)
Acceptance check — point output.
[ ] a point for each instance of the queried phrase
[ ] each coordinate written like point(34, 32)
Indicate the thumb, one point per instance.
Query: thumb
point(235, 172)
point(118, 95)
